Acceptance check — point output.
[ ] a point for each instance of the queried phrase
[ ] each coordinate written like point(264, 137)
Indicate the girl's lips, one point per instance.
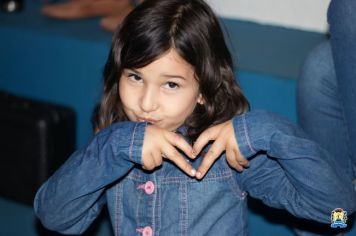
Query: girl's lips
point(147, 119)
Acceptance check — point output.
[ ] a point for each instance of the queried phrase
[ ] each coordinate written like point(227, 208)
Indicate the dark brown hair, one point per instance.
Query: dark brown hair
point(192, 29)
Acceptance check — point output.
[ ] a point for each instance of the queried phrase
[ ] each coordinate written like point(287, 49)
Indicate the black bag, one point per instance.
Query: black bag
point(35, 139)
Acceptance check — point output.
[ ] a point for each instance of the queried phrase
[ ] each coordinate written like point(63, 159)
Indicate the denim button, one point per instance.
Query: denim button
point(147, 231)
point(149, 187)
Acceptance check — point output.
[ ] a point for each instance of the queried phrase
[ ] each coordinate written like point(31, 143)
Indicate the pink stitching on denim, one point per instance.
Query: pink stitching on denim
point(132, 141)
point(118, 208)
point(184, 209)
point(179, 179)
point(116, 224)
point(246, 135)
point(157, 221)
point(141, 186)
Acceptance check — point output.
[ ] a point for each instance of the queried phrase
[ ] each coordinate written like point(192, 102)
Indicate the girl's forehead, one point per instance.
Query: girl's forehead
point(169, 61)
point(172, 56)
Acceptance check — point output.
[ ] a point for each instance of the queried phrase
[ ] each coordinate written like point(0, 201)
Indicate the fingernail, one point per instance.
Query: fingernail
point(194, 154)
point(193, 172)
point(198, 175)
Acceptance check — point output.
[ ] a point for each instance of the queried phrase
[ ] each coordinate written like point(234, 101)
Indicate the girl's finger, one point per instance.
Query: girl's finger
point(236, 166)
point(204, 138)
point(231, 160)
point(244, 163)
point(241, 159)
point(148, 162)
point(178, 141)
point(171, 153)
point(157, 157)
point(230, 155)
point(214, 152)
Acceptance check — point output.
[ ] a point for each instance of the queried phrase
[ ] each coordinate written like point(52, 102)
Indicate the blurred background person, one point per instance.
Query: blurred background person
point(326, 90)
point(112, 12)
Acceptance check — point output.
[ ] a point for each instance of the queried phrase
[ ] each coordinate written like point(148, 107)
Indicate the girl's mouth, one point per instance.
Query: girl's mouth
point(152, 121)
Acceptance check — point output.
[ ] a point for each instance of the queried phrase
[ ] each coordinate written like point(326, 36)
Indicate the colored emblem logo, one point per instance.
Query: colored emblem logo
point(338, 218)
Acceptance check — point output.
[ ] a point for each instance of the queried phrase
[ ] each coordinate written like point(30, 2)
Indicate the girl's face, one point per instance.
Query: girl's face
point(163, 93)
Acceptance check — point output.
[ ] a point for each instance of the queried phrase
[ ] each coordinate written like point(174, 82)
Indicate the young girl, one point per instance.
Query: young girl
point(168, 84)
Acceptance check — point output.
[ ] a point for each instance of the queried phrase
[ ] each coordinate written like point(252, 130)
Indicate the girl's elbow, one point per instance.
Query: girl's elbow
point(53, 223)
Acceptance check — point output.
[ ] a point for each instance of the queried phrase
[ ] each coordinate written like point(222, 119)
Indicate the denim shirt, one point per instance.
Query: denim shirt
point(287, 171)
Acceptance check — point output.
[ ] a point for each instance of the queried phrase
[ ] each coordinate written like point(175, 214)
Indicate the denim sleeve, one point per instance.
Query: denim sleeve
point(288, 170)
point(72, 198)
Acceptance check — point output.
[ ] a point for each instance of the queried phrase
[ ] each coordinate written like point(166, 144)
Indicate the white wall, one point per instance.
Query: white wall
point(300, 14)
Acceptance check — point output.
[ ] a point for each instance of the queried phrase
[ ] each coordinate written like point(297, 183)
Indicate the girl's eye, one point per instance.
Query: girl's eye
point(134, 77)
point(171, 85)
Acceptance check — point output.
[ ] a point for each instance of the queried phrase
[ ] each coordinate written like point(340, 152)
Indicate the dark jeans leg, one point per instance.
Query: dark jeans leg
point(342, 20)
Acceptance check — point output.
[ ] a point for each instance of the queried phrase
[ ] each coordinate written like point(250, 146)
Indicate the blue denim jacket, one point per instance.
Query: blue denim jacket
point(287, 171)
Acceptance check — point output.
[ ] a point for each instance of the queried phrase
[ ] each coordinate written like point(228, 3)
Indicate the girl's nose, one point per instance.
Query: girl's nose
point(149, 100)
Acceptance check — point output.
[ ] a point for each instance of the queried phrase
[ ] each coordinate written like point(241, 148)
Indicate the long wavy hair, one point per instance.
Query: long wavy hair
point(192, 29)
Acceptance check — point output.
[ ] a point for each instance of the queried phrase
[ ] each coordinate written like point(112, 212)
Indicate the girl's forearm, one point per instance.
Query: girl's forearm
point(73, 197)
point(289, 171)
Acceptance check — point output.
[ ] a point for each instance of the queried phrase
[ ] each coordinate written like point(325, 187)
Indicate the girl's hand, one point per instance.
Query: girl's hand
point(224, 140)
point(160, 143)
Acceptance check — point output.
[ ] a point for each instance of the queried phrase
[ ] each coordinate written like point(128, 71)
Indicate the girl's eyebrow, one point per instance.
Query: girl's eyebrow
point(173, 76)
point(137, 72)
point(162, 75)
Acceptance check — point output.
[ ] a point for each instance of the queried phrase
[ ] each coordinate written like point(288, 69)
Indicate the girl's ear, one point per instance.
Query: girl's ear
point(200, 99)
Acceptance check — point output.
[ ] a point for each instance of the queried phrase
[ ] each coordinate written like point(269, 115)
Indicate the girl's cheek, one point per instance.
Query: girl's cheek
point(172, 102)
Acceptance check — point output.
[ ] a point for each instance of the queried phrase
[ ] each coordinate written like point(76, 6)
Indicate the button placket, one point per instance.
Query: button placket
point(149, 188)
